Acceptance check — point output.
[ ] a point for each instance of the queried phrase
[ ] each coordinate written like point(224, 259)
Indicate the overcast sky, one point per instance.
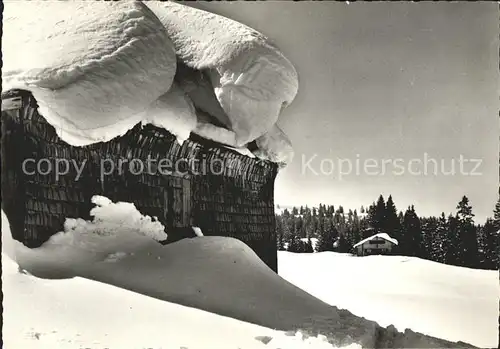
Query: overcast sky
point(401, 83)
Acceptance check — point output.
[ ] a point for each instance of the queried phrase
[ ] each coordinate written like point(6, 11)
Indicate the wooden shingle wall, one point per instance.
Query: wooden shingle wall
point(223, 192)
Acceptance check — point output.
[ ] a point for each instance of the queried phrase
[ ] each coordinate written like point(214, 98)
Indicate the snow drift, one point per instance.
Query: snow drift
point(216, 274)
point(98, 69)
point(455, 303)
point(117, 229)
point(79, 313)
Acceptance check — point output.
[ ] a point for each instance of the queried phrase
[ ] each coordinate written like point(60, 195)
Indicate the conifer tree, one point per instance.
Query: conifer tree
point(309, 247)
point(287, 227)
point(439, 244)
point(343, 245)
point(280, 240)
point(314, 222)
point(330, 210)
point(300, 230)
point(429, 228)
point(392, 226)
point(356, 235)
point(379, 218)
point(327, 237)
point(371, 216)
point(355, 218)
point(401, 217)
point(496, 215)
point(308, 226)
point(468, 249)
point(411, 241)
point(452, 242)
point(350, 217)
point(321, 210)
point(356, 228)
point(490, 246)
point(294, 244)
point(339, 222)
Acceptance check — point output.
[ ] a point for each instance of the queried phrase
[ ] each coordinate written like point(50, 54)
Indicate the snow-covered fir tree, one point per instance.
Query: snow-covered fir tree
point(467, 232)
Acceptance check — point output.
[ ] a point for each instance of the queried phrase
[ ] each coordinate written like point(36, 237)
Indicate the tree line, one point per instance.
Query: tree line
point(453, 239)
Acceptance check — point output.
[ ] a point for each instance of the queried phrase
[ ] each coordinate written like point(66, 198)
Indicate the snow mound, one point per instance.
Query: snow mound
point(217, 274)
point(454, 303)
point(79, 313)
point(251, 78)
point(197, 231)
point(117, 230)
point(94, 68)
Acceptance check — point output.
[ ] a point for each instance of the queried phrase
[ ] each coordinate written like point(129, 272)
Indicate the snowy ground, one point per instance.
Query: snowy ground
point(61, 311)
point(454, 303)
point(109, 284)
point(80, 313)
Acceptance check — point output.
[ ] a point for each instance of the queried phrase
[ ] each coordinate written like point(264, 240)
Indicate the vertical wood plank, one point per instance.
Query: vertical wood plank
point(186, 197)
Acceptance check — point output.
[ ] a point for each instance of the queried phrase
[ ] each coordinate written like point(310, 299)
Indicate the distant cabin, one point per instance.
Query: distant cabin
point(380, 243)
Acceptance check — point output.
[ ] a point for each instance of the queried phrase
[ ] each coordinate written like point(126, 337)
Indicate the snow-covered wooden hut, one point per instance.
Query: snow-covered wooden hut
point(142, 86)
point(380, 243)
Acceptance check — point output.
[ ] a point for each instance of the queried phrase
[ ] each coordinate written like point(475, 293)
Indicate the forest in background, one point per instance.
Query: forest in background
point(453, 239)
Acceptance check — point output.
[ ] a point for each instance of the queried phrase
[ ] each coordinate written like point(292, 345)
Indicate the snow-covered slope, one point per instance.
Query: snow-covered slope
point(458, 304)
point(79, 313)
point(62, 311)
point(216, 274)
